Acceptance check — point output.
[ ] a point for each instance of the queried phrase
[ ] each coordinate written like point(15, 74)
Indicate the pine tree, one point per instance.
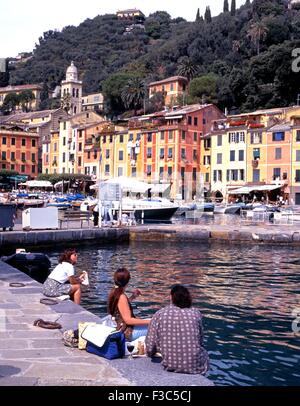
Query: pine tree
point(226, 6)
point(233, 8)
point(248, 3)
point(198, 18)
point(207, 15)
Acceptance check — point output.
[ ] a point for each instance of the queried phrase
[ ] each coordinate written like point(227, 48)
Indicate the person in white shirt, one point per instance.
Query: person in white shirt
point(62, 280)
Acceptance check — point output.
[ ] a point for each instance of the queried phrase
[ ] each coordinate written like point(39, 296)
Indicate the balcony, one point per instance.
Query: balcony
point(256, 125)
point(106, 128)
point(239, 123)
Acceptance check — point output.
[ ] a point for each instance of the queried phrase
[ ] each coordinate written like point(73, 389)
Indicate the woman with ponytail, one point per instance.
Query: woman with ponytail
point(119, 306)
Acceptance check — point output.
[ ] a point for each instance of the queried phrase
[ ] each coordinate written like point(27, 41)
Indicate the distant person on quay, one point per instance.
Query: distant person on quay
point(176, 333)
point(96, 215)
point(62, 280)
point(119, 307)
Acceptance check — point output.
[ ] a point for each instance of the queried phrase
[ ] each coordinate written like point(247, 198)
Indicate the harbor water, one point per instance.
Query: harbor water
point(246, 295)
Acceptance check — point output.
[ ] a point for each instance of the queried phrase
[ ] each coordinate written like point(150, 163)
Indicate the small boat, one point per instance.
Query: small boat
point(60, 206)
point(35, 265)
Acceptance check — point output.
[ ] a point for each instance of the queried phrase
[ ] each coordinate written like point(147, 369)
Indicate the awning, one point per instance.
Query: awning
point(172, 117)
point(135, 186)
point(127, 184)
point(37, 183)
point(159, 187)
point(241, 191)
point(245, 190)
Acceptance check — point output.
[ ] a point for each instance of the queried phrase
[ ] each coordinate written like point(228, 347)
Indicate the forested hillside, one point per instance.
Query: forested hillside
point(241, 59)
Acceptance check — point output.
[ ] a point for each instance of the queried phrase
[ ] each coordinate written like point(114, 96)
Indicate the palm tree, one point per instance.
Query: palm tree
point(66, 103)
point(257, 33)
point(10, 103)
point(25, 99)
point(236, 45)
point(188, 69)
point(133, 94)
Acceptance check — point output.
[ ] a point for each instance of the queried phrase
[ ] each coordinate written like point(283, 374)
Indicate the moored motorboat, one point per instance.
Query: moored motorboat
point(158, 209)
point(229, 208)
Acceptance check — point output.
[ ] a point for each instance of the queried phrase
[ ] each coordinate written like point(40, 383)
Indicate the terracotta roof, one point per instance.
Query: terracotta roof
point(130, 10)
point(171, 79)
point(86, 126)
point(280, 127)
point(188, 109)
point(24, 116)
point(19, 87)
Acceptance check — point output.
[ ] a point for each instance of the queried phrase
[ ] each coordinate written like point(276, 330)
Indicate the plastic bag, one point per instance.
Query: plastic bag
point(108, 321)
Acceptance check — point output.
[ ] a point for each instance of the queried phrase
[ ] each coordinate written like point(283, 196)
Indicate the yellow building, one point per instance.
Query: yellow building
point(71, 141)
point(91, 157)
point(228, 158)
point(257, 150)
point(35, 89)
point(295, 166)
point(51, 154)
point(205, 162)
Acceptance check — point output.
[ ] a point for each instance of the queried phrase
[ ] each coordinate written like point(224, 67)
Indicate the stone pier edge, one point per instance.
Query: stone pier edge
point(190, 233)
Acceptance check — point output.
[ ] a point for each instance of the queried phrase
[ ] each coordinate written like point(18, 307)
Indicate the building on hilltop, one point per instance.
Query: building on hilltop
point(172, 88)
point(294, 3)
point(131, 14)
point(71, 91)
point(35, 89)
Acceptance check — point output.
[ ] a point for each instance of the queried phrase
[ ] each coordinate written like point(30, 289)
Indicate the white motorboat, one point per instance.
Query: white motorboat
point(151, 209)
point(229, 209)
point(156, 209)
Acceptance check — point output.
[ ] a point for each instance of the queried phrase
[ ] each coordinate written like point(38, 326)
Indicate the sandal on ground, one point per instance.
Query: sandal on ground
point(48, 301)
point(51, 325)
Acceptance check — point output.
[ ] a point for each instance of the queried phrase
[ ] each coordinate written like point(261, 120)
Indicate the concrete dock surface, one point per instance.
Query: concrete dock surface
point(33, 356)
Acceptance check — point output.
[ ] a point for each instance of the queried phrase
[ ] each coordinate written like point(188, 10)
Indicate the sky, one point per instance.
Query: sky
point(22, 22)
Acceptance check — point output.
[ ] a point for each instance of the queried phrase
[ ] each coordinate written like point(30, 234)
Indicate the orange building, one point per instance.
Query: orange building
point(170, 147)
point(19, 150)
point(172, 88)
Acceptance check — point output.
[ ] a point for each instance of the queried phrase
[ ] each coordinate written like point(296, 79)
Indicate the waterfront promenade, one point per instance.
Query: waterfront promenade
point(32, 356)
point(247, 233)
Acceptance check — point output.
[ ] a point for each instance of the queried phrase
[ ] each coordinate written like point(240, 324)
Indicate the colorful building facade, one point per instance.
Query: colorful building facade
point(260, 150)
point(170, 147)
point(173, 88)
point(19, 150)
